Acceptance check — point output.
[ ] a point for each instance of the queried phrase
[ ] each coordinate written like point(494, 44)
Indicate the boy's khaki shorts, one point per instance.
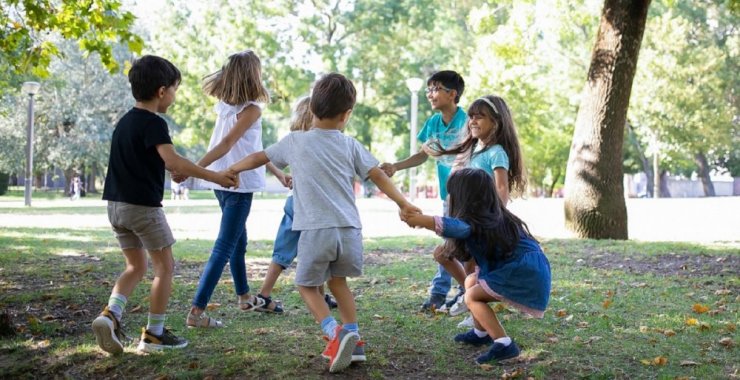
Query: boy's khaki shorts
point(139, 226)
point(328, 252)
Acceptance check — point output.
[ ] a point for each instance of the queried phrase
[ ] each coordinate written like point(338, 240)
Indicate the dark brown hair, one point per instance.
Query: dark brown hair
point(332, 95)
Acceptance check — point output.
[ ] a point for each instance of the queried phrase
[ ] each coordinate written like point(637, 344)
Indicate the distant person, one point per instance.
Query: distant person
point(324, 162)
point(444, 89)
point(175, 189)
point(75, 186)
point(511, 265)
point(238, 133)
point(141, 149)
point(285, 248)
point(491, 144)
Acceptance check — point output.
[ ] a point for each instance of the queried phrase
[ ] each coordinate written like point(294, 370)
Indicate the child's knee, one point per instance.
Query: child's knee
point(471, 280)
point(440, 254)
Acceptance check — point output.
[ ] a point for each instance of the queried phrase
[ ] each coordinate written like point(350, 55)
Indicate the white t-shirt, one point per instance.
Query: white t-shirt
point(250, 142)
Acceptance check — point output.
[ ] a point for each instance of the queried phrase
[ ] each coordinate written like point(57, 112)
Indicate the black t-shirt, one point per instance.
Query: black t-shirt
point(135, 169)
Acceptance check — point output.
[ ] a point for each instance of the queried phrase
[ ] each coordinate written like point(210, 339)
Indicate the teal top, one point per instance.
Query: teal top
point(447, 135)
point(490, 158)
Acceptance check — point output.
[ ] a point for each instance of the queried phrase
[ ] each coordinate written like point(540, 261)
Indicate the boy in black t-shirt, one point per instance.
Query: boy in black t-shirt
point(141, 150)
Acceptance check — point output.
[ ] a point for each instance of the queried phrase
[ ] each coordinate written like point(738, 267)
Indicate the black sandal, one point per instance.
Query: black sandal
point(265, 308)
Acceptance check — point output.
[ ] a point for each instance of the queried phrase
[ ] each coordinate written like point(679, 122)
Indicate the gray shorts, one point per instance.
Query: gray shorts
point(139, 226)
point(328, 252)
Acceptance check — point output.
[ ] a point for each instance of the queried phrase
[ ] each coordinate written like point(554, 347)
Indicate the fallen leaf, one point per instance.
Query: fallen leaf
point(722, 292)
point(610, 293)
point(646, 362)
point(378, 316)
point(699, 308)
point(730, 326)
point(499, 307)
point(552, 339)
point(137, 309)
point(48, 317)
point(606, 304)
point(669, 332)
point(583, 324)
point(688, 363)
point(213, 306)
point(193, 365)
point(43, 344)
point(486, 367)
point(692, 322)
point(562, 313)
point(727, 342)
point(660, 360)
point(644, 329)
point(592, 339)
point(704, 326)
point(569, 318)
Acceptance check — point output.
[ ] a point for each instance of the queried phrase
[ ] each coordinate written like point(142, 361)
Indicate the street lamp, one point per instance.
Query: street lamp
point(414, 85)
point(30, 89)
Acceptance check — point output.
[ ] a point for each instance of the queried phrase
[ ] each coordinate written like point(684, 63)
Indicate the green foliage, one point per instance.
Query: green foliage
point(29, 28)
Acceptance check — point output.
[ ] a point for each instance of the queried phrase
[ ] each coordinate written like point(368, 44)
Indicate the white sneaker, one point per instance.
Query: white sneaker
point(459, 307)
point(467, 322)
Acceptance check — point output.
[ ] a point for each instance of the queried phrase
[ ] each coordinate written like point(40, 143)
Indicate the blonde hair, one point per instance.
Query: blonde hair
point(302, 117)
point(238, 81)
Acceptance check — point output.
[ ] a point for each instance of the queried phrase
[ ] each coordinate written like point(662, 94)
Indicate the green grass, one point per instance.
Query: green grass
point(615, 307)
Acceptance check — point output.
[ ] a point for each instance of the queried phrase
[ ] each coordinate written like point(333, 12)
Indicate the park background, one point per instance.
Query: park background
point(661, 304)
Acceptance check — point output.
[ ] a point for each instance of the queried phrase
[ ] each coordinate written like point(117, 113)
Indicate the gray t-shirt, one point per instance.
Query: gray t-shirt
point(323, 164)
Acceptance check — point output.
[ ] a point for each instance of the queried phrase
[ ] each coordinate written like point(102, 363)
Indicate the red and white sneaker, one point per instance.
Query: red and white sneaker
point(339, 350)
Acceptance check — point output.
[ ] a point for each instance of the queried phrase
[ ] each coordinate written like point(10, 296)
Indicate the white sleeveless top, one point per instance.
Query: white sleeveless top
point(251, 141)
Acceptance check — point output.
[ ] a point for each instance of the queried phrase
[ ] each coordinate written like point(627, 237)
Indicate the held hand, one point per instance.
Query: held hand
point(287, 181)
point(179, 178)
point(388, 168)
point(227, 179)
point(408, 210)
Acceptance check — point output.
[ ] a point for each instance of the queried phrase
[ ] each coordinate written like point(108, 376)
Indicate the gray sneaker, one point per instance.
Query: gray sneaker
point(358, 354)
point(153, 343)
point(108, 333)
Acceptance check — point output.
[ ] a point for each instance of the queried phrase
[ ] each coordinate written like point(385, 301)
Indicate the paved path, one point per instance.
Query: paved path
point(703, 220)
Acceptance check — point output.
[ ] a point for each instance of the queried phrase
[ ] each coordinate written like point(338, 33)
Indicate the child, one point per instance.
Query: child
point(238, 132)
point(141, 149)
point(324, 163)
point(491, 144)
point(511, 265)
point(444, 90)
point(286, 241)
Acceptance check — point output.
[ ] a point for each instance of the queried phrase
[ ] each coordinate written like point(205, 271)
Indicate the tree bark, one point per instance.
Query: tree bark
point(594, 191)
point(703, 166)
point(664, 191)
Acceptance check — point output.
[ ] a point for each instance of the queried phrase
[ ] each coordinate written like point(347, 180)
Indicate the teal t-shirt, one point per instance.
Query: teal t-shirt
point(490, 159)
point(447, 135)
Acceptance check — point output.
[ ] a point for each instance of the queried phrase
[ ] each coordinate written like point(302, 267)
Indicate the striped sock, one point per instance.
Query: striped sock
point(352, 327)
point(329, 326)
point(155, 323)
point(116, 304)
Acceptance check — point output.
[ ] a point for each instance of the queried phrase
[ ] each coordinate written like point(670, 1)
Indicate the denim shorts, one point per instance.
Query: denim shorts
point(139, 226)
point(328, 252)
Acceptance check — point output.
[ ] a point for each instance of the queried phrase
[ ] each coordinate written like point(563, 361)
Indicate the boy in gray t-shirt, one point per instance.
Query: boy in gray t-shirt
point(324, 163)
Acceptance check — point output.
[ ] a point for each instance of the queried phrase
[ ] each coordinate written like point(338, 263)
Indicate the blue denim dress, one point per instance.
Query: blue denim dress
point(521, 280)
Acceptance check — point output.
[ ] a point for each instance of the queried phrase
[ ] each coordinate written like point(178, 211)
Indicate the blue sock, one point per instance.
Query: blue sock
point(329, 326)
point(352, 327)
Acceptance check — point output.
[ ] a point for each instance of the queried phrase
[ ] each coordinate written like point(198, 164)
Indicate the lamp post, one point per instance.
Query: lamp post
point(30, 89)
point(414, 85)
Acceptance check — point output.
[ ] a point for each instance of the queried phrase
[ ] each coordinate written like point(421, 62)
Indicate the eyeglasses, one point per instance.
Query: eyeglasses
point(435, 89)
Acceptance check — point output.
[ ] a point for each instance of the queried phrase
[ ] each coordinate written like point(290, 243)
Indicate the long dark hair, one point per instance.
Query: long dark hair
point(504, 134)
point(473, 199)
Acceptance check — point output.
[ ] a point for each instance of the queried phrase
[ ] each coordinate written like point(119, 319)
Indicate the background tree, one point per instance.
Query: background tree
point(594, 196)
point(27, 25)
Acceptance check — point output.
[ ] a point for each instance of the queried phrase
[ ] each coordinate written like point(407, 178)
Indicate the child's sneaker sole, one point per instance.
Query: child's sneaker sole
point(105, 336)
point(152, 347)
point(344, 353)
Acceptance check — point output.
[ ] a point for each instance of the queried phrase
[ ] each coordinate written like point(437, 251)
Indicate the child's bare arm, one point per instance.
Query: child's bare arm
point(282, 177)
point(421, 221)
point(250, 162)
point(182, 166)
point(244, 121)
point(412, 161)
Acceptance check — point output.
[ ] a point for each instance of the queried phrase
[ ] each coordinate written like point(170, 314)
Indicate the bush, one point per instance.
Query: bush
point(4, 179)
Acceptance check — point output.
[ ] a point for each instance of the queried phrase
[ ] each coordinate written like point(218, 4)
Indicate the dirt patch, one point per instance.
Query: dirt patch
point(666, 265)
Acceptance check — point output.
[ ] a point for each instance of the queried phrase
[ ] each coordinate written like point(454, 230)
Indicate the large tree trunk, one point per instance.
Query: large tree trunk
point(594, 192)
point(703, 166)
point(664, 191)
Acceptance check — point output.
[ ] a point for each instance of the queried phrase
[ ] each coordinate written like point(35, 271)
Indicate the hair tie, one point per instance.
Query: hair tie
point(490, 103)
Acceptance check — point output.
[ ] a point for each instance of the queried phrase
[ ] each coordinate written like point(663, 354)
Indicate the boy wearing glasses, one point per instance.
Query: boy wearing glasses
point(444, 89)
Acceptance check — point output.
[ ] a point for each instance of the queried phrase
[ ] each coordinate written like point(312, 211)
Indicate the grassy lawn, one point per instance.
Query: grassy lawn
point(618, 310)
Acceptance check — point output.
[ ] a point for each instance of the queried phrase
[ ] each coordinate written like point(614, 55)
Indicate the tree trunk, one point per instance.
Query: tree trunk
point(664, 191)
point(551, 188)
point(594, 191)
point(703, 166)
point(91, 188)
